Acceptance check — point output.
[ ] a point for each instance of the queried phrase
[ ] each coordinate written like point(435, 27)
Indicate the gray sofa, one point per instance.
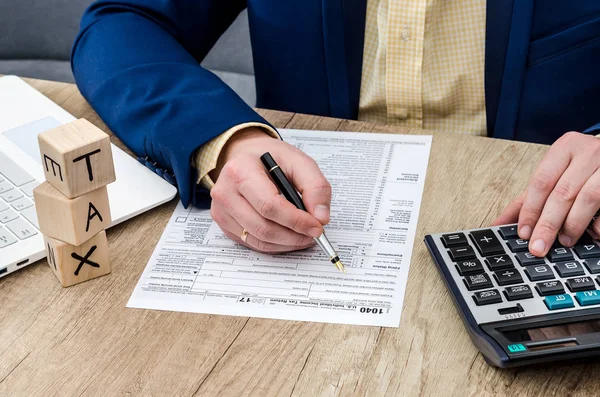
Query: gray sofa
point(36, 38)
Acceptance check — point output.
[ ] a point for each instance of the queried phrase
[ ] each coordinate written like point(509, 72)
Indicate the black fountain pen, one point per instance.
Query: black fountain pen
point(291, 194)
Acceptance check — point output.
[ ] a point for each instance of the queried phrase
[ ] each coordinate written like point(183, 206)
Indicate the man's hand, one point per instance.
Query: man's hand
point(562, 196)
point(244, 196)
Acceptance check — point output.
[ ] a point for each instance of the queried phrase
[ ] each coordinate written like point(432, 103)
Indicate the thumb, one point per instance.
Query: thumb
point(306, 176)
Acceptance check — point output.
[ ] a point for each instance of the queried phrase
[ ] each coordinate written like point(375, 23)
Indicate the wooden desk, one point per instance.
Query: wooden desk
point(83, 341)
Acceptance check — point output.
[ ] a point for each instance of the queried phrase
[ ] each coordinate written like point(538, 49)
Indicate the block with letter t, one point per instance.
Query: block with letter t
point(76, 158)
point(73, 221)
point(75, 264)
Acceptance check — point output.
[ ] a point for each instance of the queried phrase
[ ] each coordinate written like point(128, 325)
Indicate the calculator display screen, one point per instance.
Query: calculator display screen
point(553, 332)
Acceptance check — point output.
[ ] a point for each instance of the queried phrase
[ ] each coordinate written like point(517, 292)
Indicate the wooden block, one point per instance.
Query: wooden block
point(73, 265)
point(77, 158)
point(73, 221)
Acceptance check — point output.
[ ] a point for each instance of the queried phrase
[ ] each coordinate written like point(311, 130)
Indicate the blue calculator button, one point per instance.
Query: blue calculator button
point(518, 347)
point(586, 298)
point(562, 301)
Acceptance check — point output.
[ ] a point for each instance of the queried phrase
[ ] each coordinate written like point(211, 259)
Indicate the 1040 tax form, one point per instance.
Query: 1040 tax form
point(377, 182)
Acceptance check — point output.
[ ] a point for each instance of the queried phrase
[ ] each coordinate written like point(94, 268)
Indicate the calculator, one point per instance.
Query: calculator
point(520, 309)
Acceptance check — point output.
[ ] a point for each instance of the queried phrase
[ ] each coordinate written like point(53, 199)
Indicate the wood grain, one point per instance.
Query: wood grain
point(82, 341)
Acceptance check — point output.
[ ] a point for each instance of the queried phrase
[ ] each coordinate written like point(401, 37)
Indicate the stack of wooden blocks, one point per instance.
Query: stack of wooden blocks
point(72, 205)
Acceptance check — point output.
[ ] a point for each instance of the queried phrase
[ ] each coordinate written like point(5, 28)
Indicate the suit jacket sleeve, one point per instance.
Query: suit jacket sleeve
point(137, 63)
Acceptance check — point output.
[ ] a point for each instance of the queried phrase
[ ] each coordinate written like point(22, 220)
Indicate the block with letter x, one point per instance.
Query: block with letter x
point(76, 158)
point(75, 264)
point(73, 221)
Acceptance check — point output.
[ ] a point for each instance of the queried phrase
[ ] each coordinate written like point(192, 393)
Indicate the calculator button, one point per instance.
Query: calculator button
point(539, 272)
point(470, 266)
point(509, 232)
point(462, 253)
point(585, 251)
point(560, 254)
point(487, 297)
point(586, 298)
point(518, 245)
point(569, 269)
point(580, 284)
point(486, 242)
point(478, 281)
point(550, 287)
point(561, 301)
point(508, 277)
point(528, 259)
point(518, 292)
point(592, 264)
point(499, 262)
point(454, 239)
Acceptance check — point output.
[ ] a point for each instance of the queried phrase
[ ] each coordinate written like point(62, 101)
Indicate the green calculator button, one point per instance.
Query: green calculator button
point(586, 298)
point(518, 347)
point(561, 301)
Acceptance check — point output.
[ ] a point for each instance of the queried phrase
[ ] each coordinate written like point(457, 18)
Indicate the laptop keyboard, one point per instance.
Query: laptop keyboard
point(18, 219)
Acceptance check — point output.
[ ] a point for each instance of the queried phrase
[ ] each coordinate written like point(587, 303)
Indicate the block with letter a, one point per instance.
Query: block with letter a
point(73, 221)
point(72, 205)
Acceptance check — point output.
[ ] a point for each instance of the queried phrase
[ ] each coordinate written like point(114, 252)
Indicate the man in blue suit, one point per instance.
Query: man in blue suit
point(509, 69)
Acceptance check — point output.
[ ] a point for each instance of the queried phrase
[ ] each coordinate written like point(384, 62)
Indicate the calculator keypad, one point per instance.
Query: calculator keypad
point(496, 269)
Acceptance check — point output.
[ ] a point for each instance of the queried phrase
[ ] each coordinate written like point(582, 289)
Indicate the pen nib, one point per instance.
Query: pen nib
point(340, 266)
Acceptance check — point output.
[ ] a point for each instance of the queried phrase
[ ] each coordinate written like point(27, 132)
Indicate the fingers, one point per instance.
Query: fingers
point(262, 194)
point(585, 207)
point(540, 186)
point(304, 173)
point(234, 231)
point(238, 213)
point(244, 196)
point(511, 212)
point(557, 207)
point(257, 245)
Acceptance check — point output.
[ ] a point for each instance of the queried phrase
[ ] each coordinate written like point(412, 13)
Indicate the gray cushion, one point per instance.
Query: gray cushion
point(232, 52)
point(36, 38)
point(34, 29)
point(242, 84)
point(45, 69)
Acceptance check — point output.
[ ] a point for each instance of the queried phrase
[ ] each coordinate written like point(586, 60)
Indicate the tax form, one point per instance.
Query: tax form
point(377, 182)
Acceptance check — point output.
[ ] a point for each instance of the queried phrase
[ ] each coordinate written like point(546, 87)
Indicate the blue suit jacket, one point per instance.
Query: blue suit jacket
point(136, 62)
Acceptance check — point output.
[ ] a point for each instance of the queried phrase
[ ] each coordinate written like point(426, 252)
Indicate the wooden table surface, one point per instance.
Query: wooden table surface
point(82, 341)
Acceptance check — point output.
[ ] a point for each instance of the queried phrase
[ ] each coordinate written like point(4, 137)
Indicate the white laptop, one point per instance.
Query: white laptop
point(24, 113)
